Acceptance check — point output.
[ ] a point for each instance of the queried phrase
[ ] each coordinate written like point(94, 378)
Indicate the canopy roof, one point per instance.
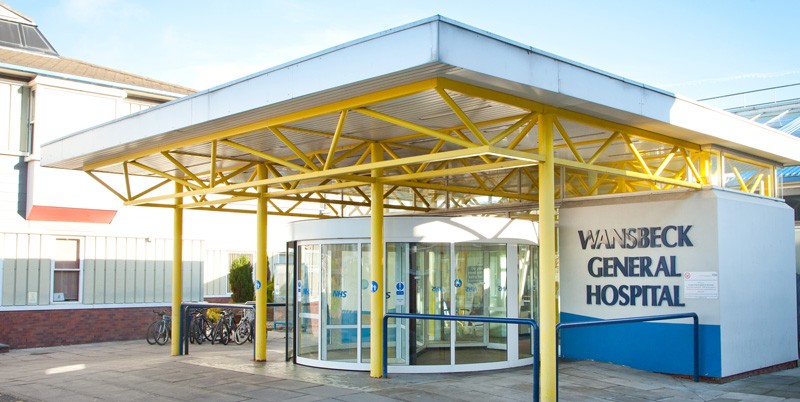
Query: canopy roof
point(452, 108)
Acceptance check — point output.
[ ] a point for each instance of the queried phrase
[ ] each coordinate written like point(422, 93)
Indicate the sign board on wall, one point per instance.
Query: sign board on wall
point(631, 259)
point(701, 285)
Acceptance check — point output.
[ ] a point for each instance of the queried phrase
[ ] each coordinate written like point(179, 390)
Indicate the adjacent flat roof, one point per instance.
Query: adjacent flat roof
point(436, 47)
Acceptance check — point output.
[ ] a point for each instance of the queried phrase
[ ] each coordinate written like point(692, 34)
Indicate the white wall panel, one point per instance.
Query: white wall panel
point(757, 283)
point(161, 273)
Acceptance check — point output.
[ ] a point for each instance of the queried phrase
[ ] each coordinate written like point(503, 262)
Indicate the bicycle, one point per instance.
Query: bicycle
point(199, 329)
point(160, 330)
point(221, 331)
point(244, 330)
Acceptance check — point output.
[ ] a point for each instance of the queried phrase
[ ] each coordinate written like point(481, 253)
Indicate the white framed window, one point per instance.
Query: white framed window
point(67, 270)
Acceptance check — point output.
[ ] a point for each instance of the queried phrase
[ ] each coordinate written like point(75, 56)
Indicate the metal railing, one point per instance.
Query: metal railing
point(469, 318)
point(693, 316)
point(187, 308)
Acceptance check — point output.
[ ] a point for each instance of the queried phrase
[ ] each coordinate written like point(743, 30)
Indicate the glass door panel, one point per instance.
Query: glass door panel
point(397, 301)
point(430, 289)
point(339, 291)
point(528, 271)
point(292, 291)
point(480, 288)
point(308, 302)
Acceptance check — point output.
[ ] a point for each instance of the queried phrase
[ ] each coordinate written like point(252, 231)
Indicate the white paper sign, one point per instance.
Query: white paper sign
point(701, 285)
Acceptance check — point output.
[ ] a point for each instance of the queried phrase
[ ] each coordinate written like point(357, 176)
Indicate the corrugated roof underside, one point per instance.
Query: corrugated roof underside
point(257, 115)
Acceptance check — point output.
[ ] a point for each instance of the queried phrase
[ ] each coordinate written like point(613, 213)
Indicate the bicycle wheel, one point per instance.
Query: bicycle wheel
point(198, 333)
point(242, 332)
point(163, 334)
point(225, 334)
point(208, 329)
point(215, 333)
point(152, 332)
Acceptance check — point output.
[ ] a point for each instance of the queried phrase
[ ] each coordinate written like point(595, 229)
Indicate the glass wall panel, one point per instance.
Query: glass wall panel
point(429, 293)
point(365, 301)
point(309, 300)
point(292, 291)
point(528, 272)
point(480, 287)
point(340, 266)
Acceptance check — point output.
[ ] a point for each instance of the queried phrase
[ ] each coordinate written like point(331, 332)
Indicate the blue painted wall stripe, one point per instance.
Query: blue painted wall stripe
point(652, 346)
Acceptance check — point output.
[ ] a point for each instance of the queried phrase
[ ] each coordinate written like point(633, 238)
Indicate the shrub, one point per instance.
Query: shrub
point(213, 315)
point(240, 278)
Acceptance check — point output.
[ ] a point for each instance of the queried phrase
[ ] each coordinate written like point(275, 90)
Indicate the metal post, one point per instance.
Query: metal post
point(547, 257)
point(177, 271)
point(261, 271)
point(376, 270)
point(696, 341)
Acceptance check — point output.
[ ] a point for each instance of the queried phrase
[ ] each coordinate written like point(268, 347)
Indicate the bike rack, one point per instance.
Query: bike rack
point(693, 316)
point(469, 318)
point(186, 319)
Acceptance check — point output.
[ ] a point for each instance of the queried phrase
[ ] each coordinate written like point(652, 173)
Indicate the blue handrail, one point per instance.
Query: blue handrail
point(613, 321)
point(469, 318)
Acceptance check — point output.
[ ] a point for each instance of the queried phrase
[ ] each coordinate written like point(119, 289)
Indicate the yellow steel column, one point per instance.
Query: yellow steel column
point(547, 261)
point(261, 270)
point(177, 270)
point(376, 271)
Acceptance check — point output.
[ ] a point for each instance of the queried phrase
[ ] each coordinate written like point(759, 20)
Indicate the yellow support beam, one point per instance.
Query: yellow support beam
point(335, 140)
point(462, 116)
point(568, 141)
point(107, 186)
point(416, 127)
point(177, 271)
point(300, 154)
point(261, 269)
point(376, 270)
point(547, 261)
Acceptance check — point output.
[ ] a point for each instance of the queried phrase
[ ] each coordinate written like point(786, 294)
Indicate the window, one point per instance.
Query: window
point(67, 272)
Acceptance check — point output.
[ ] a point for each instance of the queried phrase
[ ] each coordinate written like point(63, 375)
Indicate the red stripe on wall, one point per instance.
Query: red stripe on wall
point(61, 214)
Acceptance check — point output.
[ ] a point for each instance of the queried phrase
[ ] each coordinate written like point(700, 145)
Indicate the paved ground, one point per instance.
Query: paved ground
point(135, 371)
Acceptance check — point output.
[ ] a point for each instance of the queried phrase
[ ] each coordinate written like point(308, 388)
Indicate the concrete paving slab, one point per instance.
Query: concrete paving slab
point(133, 370)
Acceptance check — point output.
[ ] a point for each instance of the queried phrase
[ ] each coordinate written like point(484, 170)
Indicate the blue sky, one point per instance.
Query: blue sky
point(694, 48)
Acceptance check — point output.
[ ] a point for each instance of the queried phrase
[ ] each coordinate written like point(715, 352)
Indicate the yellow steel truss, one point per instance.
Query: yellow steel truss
point(474, 159)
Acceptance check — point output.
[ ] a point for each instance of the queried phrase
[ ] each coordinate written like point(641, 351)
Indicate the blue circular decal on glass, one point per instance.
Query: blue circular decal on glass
point(258, 285)
point(458, 283)
point(374, 286)
point(400, 286)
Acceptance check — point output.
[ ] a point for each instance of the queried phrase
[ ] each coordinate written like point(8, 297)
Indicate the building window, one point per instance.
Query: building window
point(67, 272)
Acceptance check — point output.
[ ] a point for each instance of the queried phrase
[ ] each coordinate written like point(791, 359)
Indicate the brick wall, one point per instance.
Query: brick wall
point(218, 299)
point(41, 328)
